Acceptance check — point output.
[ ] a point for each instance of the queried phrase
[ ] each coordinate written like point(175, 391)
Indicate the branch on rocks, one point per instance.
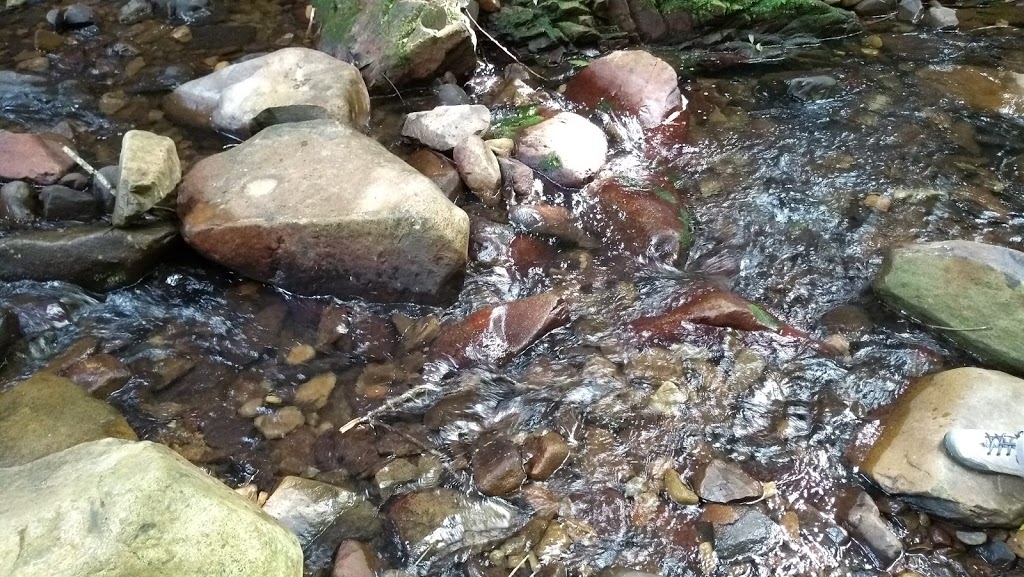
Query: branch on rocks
point(102, 180)
point(503, 49)
point(388, 406)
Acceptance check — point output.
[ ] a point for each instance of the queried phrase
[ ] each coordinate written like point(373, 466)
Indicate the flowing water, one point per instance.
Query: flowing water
point(777, 187)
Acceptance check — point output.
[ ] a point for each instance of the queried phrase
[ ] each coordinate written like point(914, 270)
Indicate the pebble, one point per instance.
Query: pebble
point(135, 11)
point(35, 64)
point(48, 40)
point(677, 490)
point(315, 392)
point(940, 17)
point(250, 409)
point(972, 538)
point(498, 468)
point(547, 453)
point(501, 147)
point(878, 202)
point(300, 354)
point(479, 169)
point(278, 424)
point(78, 16)
point(997, 553)
point(112, 102)
point(182, 34)
point(723, 482)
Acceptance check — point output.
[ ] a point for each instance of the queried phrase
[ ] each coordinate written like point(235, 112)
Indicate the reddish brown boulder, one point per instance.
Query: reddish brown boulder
point(644, 222)
point(498, 468)
point(355, 559)
point(632, 82)
point(546, 454)
point(713, 307)
point(101, 375)
point(497, 333)
point(34, 157)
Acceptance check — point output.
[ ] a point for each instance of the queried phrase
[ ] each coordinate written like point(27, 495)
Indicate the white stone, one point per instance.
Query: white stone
point(568, 148)
point(445, 126)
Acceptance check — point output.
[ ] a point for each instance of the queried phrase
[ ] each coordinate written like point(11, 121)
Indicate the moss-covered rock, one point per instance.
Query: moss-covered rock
point(398, 42)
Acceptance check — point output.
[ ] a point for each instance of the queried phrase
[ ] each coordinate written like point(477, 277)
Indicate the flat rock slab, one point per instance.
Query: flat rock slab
point(318, 208)
point(47, 414)
point(301, 83)
point(983, 89)
point(97, 258)
point(443, 127)
point(910, 460)
point(971, 289)
point(34, 157)
point(134, 509)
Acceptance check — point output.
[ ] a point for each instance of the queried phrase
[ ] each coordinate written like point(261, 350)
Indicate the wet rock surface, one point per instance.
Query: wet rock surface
point(723, 482)
point(95, 257)
point(632, 82)
point(961, 285)
point(909, 458)
point(47, 414)
point(567, 148)
point(265, 213)
point(85, 499)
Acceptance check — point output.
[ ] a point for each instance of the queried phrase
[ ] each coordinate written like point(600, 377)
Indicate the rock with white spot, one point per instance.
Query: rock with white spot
point(318, 208)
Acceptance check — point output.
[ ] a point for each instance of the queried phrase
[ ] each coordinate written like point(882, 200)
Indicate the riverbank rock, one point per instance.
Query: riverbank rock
point(344, 217)
point(667, 22)
point(46, 414)
point(975, 290)
point(443, 127)
point(133, 509)
point(632, 82)
point(567, 148)
point(37, 158)
point(437, 525)
point(148, 171)
point(97, 258)
point(398, 42)
point(292, 83)
point(909, 459)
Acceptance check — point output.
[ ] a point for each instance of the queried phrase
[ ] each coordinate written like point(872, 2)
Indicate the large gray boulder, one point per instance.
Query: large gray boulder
point(910, 460)
point(116, 508)
point(294, 83)
point(970, 292)
point(97, 257)
point(46, 414)
point(318, 208)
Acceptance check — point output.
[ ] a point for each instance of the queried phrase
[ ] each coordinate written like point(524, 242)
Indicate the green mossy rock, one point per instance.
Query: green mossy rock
point(968, 291)
point(47, 414)
point(398, 42)
point(115, 508)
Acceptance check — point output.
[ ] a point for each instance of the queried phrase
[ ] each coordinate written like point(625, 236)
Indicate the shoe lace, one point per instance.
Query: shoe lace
point(1001, 442)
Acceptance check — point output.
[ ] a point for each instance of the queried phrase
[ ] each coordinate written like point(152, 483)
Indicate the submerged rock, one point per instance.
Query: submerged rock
point(970, 292)
point(148, 171)
point(37, 158)
point(64, 203)
point(567, 148)
point(299, 83)
point(495, 334)
point(868, 526)
point(437, 527)
point(632, 82)
point(97, 258)
point(133, 509)
point(909, 459)
point(722, 482)
point(986, 90)
point(46, 414)
point(321, 516)
point(343, 217)
point(637, 221)
point(940, 18)
point(751, 534)
point(443, 127)
point(400, 42)
point(809, 88)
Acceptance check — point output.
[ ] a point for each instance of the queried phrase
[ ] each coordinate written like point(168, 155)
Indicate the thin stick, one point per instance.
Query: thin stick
point(388, 406)
point(520, 564)
point(958, 330)
point(395, 88)
point(88, 168)
point(312, 18)
point(412, 440)
point(503, 49)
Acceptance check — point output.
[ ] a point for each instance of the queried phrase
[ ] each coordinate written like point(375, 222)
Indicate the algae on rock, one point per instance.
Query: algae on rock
point(398, 42)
